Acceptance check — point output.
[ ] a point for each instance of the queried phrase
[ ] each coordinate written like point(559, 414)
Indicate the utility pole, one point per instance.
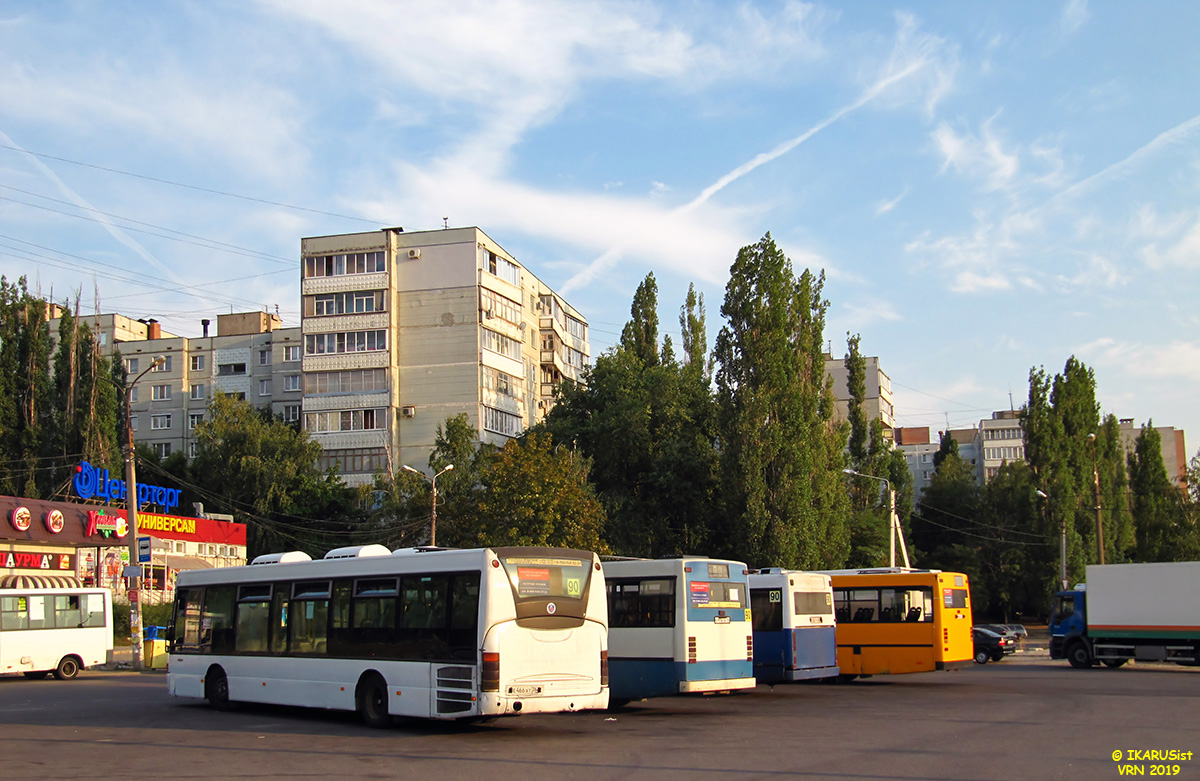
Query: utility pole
point(131, 508)
point(1099, 516)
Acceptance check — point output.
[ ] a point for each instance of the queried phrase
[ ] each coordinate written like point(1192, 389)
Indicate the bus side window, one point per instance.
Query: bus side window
point(93, 609)
point(253, 619)
point(14, 613)
point(66, 611)
point(216, 621)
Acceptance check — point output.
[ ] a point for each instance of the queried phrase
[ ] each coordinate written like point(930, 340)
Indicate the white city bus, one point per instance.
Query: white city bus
point(59, 630)
point(431, 633)
point(794, 629)
point(678, 626)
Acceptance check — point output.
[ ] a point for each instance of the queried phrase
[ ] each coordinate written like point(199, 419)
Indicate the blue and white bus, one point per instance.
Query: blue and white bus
point(678, 626)
point(795, 634)
point(430, 633)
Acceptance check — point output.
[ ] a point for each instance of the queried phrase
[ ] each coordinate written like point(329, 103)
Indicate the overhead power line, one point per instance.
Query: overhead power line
point(191, 186)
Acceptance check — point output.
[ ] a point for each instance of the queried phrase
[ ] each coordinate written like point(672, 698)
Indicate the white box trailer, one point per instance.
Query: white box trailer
point(1144, 612)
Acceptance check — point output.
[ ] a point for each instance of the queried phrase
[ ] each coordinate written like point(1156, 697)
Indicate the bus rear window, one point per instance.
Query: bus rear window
point(810, 603)
point(954, 597)
point(717, 594)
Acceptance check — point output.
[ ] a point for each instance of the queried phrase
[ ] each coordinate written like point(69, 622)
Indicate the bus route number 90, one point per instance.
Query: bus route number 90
point(574, 587)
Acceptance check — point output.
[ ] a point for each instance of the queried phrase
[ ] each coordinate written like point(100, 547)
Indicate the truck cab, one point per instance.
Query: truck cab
point(1068, 627)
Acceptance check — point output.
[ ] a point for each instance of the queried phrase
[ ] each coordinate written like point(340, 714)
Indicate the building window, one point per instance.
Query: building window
point(500, 382)
point(161, 392)
point(180, 547)
point(133, 422)
point(501, 422)
point(291, 382)
point(227, 369)
point(131, 365)
point(165, 366)
point(492, 304)
point(193, 447)
point(133, 393)
point(291, 413)
point(198, 391)
point(264, 357)
point(354, 302)
point(341, 265)
point(291, 352)
point(237, 395)
point(162, 449)
point(348, 342)
point(572, 357)
point(362, 459)
point(195, 419)
point(501, 267)
point(499, 343)
point(264, 387)
point(197, 363)
point(345, 420)
point(576, 328)
point(349, 381)
point(160, 422)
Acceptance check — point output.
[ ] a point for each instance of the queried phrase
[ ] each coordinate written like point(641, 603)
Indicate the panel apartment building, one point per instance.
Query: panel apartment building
point(402, 331)
point(251, 357)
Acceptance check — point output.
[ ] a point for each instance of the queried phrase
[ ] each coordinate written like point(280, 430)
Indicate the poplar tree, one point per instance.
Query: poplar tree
point(784, 503)
point(1162, 528)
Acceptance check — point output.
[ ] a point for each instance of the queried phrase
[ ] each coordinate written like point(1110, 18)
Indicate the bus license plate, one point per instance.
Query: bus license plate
point(524, 691)
point(722, 620)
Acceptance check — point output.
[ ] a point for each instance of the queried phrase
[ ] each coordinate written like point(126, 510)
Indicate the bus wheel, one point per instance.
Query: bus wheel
point(1078, 656)
point(216, 689)
point(36, 675)
point(68, 668)
point(1114, 663)
point(373, 702)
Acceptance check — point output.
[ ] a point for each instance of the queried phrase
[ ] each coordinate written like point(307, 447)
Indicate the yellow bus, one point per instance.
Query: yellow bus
point(892, 621)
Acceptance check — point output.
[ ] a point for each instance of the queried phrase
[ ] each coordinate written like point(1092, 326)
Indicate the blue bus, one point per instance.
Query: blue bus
point(678, 626)
point(794, 627)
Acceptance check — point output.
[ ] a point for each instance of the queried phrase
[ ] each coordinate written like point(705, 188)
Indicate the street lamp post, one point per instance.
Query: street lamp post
point(894, 532)
point(1062, 546)
point(1099, 519)
point(433, 508)
point(131, 510)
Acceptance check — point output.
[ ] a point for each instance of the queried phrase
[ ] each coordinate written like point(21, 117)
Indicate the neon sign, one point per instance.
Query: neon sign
point(108, 525)
point(92, 482)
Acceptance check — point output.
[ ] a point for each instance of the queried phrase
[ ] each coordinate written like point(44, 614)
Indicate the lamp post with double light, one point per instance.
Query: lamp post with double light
point(894, 532)
point(133, 572)
point(433, 508)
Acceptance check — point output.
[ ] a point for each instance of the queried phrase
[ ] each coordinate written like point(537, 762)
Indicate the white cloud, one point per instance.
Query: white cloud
point(1177, 360)
point(1074, 15)
point(883, 207)
point(971, 282)
point(982, 156)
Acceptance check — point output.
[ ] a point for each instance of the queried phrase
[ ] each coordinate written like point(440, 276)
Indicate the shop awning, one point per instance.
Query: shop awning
point(39, 581)
point(178, 562)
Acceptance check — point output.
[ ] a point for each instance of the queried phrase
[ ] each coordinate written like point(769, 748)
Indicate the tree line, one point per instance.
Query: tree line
point(738, 451)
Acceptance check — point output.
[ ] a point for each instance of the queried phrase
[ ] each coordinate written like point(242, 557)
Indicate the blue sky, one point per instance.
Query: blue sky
point(987, 187)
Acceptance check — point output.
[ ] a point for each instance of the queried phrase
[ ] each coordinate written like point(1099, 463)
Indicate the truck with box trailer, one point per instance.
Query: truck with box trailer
point(1129, 612)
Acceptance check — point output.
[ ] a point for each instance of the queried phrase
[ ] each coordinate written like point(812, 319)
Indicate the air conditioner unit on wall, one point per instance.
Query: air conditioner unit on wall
point(408, 411)
point(414, 253)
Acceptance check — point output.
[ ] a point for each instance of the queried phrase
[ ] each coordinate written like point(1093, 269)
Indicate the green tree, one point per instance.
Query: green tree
point(1164, 532)
point(1057, 419)
point(783, 499)
point(537, 493)
point(649, 432)
point(640, 335)
point(947, 445)
point(26, 391)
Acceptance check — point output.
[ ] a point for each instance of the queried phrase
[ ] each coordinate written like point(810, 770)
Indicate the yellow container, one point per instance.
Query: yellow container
point(154, 654)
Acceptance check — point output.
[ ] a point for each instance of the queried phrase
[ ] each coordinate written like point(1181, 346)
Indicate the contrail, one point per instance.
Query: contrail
point(113, 229)
point(606, 260)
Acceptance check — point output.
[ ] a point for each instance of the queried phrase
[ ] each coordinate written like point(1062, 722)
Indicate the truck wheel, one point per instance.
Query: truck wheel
point(981, 657)
point(1114, 663)
point(1078, 656)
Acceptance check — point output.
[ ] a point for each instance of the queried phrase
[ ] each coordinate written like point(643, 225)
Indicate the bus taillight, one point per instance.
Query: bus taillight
point(490, 674)
point(604, 668)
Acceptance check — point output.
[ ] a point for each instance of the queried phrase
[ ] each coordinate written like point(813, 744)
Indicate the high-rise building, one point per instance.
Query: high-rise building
point(402, 331)
point(877, 397)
